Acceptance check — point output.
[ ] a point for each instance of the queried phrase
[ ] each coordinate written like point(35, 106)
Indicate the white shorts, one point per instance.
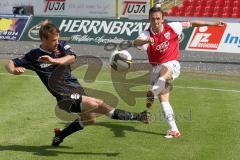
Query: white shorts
point(173, 65)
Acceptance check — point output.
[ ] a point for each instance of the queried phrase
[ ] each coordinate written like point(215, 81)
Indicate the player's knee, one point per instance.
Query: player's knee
point(91, 104)
point(168, 88)
point(99, 101)
point(92, 121)
point(166, 73)
point(95, 103)
point(163, 97)
point(88, 118)
point(89, 121)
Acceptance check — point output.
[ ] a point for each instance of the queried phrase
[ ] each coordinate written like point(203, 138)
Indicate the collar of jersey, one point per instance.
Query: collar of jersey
point(45, 51)
point(154, 32)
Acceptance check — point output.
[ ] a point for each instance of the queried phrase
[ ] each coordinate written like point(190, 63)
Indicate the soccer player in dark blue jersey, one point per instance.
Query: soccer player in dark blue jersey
point(51, 62)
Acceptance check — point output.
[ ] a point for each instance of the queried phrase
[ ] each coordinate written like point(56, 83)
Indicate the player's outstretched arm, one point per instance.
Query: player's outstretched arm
point(69, 59)
point(139, 42)
point(11, 68)
point(207, 23)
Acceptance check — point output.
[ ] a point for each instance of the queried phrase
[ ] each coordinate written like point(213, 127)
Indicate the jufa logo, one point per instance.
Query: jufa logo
point(54, 5)
point(135, 7)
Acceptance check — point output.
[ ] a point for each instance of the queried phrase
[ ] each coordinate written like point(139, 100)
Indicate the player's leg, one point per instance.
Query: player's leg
point(70, 129)
point(93, 105)
point(168, 115)
point(159, 85)
point(72, 104)
point(86, 119)
point(87, 107)
point(160, 74)
point(164, 100)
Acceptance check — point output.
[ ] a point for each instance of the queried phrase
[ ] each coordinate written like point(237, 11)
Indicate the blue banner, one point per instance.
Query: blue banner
point(11, 28)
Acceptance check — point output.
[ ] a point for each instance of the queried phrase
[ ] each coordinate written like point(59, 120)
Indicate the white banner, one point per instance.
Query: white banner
point(77, 8)
point(231, 39)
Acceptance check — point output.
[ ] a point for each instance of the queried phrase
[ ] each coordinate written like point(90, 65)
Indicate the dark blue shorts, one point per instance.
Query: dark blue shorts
point(71, 104)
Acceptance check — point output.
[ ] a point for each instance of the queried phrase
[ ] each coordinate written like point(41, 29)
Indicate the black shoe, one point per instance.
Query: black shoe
point(57, 139)
point(150, 99)
point(145, 117)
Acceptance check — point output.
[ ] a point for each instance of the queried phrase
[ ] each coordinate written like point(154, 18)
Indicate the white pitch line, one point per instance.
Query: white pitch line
point(211, 89)
point(108, 82)
point(23, 75)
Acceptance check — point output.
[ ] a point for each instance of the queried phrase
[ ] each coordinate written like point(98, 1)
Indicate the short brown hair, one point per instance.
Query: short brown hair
point(47, 29)
point(155, 9)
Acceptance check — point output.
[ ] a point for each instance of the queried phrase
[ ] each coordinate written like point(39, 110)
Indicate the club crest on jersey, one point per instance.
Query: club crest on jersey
point(66, 47)
point(167, 35)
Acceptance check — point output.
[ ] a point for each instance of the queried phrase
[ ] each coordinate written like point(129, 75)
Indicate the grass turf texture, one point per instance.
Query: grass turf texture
point(208, 119)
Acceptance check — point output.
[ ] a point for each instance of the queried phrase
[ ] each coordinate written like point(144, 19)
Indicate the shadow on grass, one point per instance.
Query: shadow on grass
point(119, 129)
point(50, 151)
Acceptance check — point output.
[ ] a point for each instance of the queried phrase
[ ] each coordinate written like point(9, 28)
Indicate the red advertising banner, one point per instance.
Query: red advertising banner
point(206, 38)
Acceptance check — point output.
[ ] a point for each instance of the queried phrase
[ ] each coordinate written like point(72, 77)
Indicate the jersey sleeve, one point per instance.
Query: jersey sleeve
point(25, 61)
point(144, 35)
point(179, 26)
point(66, 49)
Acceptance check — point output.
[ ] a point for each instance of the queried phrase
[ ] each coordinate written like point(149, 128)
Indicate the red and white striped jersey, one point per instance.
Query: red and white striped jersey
point(166, 44)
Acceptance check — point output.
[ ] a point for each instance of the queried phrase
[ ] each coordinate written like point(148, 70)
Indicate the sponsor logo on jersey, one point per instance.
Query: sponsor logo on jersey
point(54, 5)
point(66, 47)
point(75, 96)
point(45, 65)
point(162, 46)
point(207, 37)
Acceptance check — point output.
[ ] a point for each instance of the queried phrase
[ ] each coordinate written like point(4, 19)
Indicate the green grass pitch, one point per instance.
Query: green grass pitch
point(206, 108)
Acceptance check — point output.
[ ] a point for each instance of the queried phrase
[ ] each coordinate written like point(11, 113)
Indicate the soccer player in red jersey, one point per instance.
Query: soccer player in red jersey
point(162, 46)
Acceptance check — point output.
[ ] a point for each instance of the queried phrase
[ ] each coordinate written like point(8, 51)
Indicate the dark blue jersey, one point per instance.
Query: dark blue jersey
point(57, 78)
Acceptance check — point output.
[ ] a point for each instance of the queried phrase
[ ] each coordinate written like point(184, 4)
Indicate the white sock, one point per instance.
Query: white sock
point(110, 114)
point(158, 86)
point(169, 115)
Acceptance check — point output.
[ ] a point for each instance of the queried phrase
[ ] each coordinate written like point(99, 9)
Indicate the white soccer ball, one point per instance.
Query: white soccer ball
point(120, 60)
